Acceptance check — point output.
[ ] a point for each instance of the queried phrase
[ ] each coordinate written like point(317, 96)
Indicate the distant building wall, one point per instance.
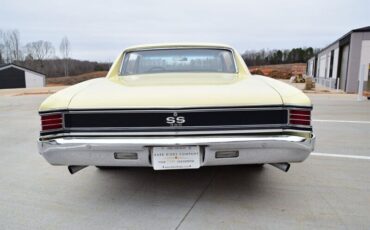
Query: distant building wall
point(327, 66)
point(338, 65)
point(34, 80)
point(355, 59)
point(311, 67)
point(12, 78)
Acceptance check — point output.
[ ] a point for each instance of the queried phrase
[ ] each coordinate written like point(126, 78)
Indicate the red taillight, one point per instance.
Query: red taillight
point(51, 121)
point(300, 117)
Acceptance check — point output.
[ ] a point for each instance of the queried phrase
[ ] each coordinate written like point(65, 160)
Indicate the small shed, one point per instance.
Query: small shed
point(15, 76)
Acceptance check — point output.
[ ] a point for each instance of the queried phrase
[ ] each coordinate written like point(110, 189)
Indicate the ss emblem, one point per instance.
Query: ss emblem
point(175, 120)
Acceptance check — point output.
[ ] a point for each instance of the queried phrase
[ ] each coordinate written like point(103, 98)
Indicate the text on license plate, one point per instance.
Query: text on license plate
point(176, 157)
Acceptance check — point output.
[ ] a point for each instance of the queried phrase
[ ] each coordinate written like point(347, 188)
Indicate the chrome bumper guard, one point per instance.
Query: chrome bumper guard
point(103, 151)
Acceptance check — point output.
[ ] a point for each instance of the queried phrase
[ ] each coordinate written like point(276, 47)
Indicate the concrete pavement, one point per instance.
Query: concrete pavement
point(321, 193)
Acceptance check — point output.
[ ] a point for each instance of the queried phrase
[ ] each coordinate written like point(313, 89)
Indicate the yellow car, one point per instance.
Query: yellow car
point(177, 106)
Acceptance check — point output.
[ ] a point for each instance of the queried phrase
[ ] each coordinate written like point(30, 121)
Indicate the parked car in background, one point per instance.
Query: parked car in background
point(177, 106)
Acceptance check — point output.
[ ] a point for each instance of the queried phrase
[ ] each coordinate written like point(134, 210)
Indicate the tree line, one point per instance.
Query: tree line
point(272, 57)
point(41, 56)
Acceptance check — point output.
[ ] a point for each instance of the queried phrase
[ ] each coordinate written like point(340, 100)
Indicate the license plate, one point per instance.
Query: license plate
point(176, 157)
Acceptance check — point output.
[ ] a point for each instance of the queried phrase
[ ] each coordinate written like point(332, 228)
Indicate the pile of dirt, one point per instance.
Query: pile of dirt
point(71, 80)
point(282, 71)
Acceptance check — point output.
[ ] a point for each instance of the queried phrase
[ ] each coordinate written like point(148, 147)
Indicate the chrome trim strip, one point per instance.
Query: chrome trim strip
point(51, 125)
point(177, 109)
point(301, 126)
point(304, 115)
point(63, 112)
point(52, 112)
point(64, 120)
point(177, 127)
point(183, 133)
point(301, 117)
point(53, 119)
point(173, 133)
point(69, 129)
point(170, 141)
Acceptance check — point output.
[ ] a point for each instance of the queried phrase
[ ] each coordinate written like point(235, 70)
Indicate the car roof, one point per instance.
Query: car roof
point(177, 45)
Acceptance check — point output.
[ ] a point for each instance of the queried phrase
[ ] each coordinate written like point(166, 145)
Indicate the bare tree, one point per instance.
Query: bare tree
point(11, 40)
point(39, 50)
point(2, 47)
point(64, 50)
point(2, 54)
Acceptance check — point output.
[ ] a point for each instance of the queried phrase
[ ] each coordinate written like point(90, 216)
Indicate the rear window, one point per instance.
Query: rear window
point(178, 60)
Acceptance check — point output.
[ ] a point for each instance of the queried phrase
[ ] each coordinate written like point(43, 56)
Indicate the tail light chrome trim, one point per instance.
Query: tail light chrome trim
point(300, 117)
point(51, 122)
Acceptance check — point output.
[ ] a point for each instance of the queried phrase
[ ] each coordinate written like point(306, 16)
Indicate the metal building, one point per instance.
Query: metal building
point(339, 64)
point(15, 76)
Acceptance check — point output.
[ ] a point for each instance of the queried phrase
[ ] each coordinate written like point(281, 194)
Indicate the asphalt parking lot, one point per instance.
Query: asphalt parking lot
point(329, 190)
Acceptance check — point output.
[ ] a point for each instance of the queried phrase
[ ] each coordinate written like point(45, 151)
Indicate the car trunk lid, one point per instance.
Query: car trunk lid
point(176, 91)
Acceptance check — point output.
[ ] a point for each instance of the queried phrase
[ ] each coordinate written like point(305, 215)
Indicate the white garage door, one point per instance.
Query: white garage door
point(335, 64)
point(365, 57)
point(34, 80)
point(322, 69)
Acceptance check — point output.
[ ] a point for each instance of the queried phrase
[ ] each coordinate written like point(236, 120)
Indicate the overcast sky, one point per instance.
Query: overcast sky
point(99, 30)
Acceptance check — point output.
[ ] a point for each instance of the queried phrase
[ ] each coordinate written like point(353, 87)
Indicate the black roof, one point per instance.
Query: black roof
point(362, 29)
point(22, 67)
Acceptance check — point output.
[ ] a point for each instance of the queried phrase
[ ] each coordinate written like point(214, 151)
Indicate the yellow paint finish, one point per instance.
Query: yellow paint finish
point(176, 90)
point(250, 91)
point(62, 98)
point(289, 94)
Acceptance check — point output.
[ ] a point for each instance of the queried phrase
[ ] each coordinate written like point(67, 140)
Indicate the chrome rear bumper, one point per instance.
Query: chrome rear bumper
point(101, 151)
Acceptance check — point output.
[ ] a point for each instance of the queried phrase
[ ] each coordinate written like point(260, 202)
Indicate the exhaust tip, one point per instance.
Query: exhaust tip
point(75, 168)
point(282, 166)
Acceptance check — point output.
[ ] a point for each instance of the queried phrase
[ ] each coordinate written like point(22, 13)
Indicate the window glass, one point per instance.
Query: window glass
point(178, 60)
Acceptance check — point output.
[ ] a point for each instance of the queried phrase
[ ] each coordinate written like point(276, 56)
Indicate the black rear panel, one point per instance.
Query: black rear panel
point(187, 121)
point(118, 119)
